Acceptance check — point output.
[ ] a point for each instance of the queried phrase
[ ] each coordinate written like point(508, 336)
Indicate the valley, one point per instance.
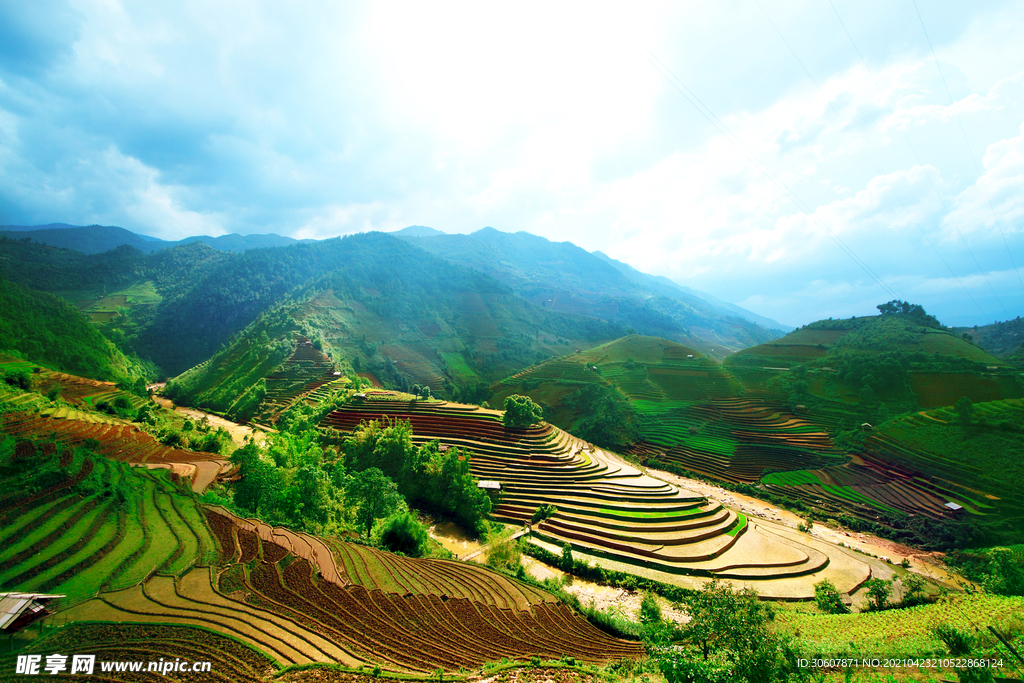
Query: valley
point(288, 450)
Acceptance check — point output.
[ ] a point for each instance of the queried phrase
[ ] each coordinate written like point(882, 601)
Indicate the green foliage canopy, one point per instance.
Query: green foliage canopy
point(521, 411)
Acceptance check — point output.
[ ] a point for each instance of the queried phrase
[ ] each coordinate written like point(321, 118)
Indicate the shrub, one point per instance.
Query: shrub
point(827, 598)
point(545, 511)
point(504, 553)
point(403, 533)
point(878, 593)
point(650, 610)
point(19, 378)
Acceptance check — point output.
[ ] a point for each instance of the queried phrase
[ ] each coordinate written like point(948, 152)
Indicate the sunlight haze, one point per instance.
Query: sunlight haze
point(568, 121)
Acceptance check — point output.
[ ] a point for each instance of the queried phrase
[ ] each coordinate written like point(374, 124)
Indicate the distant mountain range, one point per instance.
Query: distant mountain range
point(561, 277)
point(96, 239)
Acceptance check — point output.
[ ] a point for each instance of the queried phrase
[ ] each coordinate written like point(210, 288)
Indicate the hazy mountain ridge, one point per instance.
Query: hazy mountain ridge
point(558, 276)
point(669, 288)
point(1003, 339)
point(564, 277)
point(378, 297)
point(95, 239)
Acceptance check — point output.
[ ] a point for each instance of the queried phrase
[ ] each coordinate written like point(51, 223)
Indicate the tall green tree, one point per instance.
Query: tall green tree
point(521, 411)
point(374, 496)
point(259, 487)
point(728, 639)
point(828, 599)
point(964, 411)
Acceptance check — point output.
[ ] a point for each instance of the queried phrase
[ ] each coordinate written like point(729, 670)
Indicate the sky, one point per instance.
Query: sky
point(804, 160)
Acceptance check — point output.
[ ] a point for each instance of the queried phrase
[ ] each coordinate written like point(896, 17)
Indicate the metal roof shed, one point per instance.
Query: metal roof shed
point(18, 610)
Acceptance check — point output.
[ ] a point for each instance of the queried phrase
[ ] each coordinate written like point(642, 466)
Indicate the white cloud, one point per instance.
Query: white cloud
point(182, 118)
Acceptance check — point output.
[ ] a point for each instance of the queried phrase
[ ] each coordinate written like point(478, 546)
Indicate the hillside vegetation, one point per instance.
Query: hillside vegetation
point(562, 277)
point(875, 366)
point(47, 329)
point(785, 417)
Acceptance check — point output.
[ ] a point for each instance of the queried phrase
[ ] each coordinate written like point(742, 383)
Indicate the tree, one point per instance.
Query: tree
point(521, 411)
point(722, 618)
point(403, 533)
point(964, 411)
point(650, 610)
point(878, 593)
point(567, 560)
point(1006, 572)
point(827, 598)
point(729, 632)
point(373, 495)
point(913, 585)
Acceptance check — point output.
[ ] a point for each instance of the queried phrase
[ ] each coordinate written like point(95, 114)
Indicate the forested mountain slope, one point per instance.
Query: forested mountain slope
point(563, 277)
point(47, 329)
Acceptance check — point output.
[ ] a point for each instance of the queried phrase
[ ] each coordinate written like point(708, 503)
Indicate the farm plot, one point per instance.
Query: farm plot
point(231, 659)
point(306, 372)
point(116, 439)
point(605, 507)
point(80, 523)
point(735, 439)
point(71, 388)
point(409, 615)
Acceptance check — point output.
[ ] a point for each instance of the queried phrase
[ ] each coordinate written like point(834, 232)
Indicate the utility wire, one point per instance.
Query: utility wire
point(970, 151)
point(935, 189)
point(706, 112)
point(863, 149)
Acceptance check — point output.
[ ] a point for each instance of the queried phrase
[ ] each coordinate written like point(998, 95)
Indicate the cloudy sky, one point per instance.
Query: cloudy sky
point(802, 159)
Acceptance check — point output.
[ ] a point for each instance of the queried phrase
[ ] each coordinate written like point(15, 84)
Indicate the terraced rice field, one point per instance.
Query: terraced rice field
point(308, 374)
point(419, 362)
point(114, 438)
point(904, 469)
point(127, 546)
point(231, 660)
point(71, 388)
point(349, 603)
point(734, 439)
point(97, 524)
point(605, 507)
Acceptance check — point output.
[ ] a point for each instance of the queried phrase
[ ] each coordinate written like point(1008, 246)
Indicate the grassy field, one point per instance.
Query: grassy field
point(904, 631)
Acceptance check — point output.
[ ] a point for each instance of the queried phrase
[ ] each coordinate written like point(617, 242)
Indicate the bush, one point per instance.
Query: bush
point(19, 378)
point(650, 610)
point(403, 533)
point(827, 598)
point(545, 511)
point(878, 594)
point(504, 553)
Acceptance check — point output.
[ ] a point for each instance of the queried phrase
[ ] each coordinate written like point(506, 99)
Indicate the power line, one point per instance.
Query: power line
point(967, 142)
point(863, 149)
point(706, 112)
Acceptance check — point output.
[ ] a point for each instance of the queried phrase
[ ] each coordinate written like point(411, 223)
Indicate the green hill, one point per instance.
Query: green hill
point(884, 364)
point(410, 320)
point(46, 329)
point(1001, 339)
point(177, 306)
point(663, 401)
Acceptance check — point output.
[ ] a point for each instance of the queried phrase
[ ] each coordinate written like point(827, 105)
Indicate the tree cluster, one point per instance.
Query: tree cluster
point(521, 411)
